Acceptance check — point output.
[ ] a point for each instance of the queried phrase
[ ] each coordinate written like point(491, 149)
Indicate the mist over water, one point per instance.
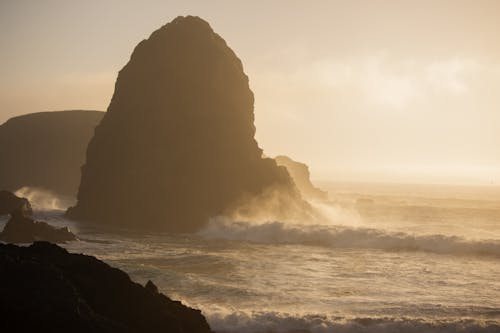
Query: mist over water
point(398, 260)
point(42, 199)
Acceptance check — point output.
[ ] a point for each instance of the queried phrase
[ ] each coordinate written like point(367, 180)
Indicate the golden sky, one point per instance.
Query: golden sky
point(401, 91)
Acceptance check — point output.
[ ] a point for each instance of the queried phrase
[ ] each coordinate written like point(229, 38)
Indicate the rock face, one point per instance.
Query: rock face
point(46, 150)
point(176, 146)
point(46, 289)
point(302, 178)
point(22, 229)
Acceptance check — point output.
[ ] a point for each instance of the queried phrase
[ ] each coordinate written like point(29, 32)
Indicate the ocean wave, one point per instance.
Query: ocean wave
point(277, 322)
point(346, 237)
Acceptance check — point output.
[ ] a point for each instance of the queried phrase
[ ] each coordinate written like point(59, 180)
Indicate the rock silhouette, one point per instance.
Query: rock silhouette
point(22, 229)
point(13, 205)
point(45, 150)
point(302, 178)
point(176, 146)
point(46, 289)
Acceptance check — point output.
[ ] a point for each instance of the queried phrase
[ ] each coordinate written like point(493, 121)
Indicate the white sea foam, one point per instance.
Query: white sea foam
point(345, 237)
point(277, 322)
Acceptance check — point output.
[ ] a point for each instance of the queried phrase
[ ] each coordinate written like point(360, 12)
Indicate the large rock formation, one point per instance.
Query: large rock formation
point(176, 146)
point(44, 288)
point(21, 228)
point(302, 178)
point(45, 150)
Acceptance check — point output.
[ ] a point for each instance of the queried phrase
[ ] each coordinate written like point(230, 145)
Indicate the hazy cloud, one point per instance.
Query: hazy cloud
point(393, 84)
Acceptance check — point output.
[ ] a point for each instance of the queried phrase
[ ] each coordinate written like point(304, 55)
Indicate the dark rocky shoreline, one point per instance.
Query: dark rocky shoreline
point(43, 288)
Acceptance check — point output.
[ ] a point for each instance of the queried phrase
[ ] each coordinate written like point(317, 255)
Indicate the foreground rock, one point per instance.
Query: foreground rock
point(22, 229)
point(302, 178)
point(45, 150)
point(46, 289)
point(177, 146)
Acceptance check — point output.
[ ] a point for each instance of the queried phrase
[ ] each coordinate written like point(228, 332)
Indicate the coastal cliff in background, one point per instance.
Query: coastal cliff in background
point(46, 289)
point(45, 150)
point(302, 178)
point(177, 146)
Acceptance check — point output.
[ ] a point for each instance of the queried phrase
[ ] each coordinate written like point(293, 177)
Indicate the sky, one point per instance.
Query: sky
point(379, 91)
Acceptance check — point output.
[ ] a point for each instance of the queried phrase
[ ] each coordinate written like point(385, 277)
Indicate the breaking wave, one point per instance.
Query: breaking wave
point(346, 237)
point(42, 199)
point(277, 322)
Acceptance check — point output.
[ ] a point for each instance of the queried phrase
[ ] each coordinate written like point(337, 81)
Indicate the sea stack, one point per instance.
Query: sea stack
point(302, 178)
point(177, 145)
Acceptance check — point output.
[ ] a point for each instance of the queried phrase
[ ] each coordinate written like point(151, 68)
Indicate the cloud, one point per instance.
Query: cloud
point(385, 86)
point(382, 81)
point(451, 76)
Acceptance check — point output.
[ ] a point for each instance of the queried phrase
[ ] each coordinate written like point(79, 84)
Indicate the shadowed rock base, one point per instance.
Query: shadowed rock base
point(44, 288)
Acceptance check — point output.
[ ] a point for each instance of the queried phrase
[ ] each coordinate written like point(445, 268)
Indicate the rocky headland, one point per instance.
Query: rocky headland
point(46, 150)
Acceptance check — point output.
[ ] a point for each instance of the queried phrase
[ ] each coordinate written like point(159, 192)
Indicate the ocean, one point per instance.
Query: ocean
point(391, 258)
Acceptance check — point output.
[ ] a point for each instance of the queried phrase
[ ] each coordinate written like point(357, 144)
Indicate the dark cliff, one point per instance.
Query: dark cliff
point(176, 146)
point(45, 150)
point(46, 289)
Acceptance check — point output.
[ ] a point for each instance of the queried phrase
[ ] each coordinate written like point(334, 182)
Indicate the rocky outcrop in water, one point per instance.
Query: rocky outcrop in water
point(13, 205)
point(176, 146)
point(302, 178)
point(44, 288)
point(45, 150)
point(21, 228)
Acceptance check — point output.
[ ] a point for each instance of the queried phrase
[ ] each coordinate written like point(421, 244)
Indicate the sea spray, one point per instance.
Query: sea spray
point(278, 322)
point(42, 199)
